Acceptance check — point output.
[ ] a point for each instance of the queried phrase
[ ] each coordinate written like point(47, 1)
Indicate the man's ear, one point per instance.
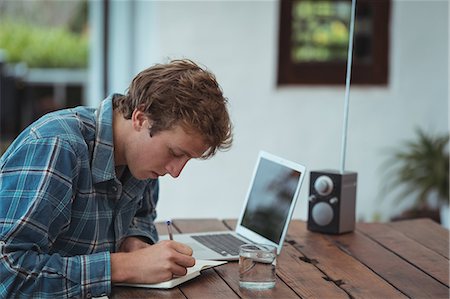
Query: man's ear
point(140, 121)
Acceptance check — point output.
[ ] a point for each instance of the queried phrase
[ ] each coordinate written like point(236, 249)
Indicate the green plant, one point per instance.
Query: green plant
point(422, 167)
point(43, 47)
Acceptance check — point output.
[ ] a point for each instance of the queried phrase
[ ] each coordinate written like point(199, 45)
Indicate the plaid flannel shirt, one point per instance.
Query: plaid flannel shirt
point(62, 208)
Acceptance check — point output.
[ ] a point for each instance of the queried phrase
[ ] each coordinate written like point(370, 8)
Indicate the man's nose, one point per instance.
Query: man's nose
point(175, 166)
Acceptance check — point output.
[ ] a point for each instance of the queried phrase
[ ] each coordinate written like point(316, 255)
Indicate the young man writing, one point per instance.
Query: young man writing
point(79, 187)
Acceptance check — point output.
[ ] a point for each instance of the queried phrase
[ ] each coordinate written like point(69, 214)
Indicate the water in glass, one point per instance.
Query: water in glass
point(257, 267)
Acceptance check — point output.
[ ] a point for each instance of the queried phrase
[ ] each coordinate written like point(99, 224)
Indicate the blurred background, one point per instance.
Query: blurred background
point(281, 65)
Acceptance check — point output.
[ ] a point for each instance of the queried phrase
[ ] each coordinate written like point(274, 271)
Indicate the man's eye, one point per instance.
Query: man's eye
point(175, 155)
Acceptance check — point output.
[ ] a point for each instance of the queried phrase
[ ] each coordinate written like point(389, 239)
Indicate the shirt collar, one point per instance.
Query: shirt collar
point(103, 165)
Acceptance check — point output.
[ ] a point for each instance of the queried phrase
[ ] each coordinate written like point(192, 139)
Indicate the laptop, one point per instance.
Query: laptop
point(265, 217)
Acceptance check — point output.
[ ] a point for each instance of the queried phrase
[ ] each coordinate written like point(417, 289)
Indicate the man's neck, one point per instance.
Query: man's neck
point(119, 136)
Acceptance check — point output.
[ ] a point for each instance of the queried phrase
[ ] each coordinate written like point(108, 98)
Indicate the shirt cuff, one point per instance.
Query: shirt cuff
point(95, 275)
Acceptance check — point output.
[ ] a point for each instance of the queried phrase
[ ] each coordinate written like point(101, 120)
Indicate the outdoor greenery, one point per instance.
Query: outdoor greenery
point(43, 47)
point(320, 30)
point(421, 166)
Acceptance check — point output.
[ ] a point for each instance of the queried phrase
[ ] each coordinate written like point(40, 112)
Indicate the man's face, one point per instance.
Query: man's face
point(167, 152)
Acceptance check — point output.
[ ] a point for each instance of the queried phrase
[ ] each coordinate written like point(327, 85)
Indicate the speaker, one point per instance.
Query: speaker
point(332, 201)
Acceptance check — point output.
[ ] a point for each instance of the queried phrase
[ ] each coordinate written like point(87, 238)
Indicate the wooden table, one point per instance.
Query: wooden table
point(379, 260)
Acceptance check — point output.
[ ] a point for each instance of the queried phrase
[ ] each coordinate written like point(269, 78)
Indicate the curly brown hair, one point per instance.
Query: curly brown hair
point(180, 93)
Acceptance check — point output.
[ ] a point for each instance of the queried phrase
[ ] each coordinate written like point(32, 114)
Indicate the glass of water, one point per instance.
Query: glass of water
point(257, 266)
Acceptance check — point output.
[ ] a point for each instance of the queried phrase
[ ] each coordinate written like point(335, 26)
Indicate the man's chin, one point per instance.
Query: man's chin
point(146, 176)
point(153, 175)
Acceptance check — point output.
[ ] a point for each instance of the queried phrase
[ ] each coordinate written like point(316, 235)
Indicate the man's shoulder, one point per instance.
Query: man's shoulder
point(74, 128)
point(71, 124)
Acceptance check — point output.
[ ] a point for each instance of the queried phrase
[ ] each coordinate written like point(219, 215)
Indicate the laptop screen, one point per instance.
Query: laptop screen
point(270, 199)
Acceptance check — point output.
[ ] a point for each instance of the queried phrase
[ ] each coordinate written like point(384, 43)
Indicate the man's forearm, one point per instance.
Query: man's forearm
point(120, 270)
point(134, 243)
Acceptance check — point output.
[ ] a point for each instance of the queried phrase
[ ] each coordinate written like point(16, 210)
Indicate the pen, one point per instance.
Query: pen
point(169, 229)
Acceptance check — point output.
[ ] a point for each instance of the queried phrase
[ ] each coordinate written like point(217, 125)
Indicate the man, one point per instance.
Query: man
point(79, 187)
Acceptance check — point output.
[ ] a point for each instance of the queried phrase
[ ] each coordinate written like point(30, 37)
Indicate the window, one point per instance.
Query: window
point(44, 48)
point(314, 36)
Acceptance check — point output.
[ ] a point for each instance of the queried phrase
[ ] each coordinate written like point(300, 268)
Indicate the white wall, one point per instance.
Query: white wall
point(95, 77)
point(238, 42)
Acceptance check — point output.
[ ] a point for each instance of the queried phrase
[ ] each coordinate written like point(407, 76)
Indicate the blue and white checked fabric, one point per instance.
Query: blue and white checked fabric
point(62, 208)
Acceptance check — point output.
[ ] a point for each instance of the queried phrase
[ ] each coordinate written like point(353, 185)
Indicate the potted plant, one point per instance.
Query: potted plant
point(45, 67)
point(420, 169)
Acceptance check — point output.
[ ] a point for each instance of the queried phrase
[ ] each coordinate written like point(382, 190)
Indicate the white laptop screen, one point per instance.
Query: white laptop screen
point(273, 191)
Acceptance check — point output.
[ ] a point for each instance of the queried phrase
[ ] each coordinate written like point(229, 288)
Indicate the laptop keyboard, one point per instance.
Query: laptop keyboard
point(224, 244)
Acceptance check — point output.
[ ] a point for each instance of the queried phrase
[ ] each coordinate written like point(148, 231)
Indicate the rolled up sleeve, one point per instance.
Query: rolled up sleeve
point(36, 193)
point(31, 274)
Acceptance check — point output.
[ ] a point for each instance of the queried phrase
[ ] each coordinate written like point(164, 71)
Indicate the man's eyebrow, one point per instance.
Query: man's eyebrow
point(192, 156)
point(187, 154)
point(183, 152)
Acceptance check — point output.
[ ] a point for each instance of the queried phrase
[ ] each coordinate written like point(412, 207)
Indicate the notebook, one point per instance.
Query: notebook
point(192, 272)
point(266, 213)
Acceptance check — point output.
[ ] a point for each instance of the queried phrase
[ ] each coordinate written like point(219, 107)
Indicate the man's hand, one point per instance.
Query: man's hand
point(132, 244)
point(152, 264)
